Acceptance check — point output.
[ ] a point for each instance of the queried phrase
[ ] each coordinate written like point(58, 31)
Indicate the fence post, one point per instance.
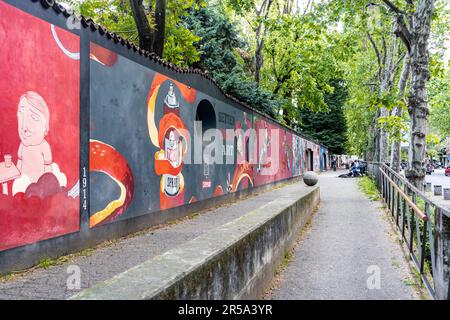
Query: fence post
point(442, 249)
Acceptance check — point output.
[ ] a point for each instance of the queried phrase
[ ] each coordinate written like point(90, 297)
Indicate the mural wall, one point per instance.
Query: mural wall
point(324, 159)
point(152, 139)
point(39, 129)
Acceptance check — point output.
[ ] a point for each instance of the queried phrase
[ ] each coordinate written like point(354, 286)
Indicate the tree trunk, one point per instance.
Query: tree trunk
point(383, 140)
point(160, 21)
point(385, 87)
point(377, 138)
point(372, 144)
point(398, 111)
point(144, 31)
point(262, 13)
point(259, 60)
point(418, 96)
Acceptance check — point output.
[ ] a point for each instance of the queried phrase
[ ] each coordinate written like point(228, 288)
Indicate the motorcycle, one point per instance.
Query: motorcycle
point(354, 173)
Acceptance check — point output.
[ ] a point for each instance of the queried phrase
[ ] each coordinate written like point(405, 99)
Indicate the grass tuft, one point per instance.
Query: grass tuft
point(45, 263)
point(368, 187)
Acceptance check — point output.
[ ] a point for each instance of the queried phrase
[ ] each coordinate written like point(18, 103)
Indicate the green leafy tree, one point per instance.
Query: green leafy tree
point(117, 16)
point(328, 127)
point(221, 51)
point(300, 63)
point(440, 104)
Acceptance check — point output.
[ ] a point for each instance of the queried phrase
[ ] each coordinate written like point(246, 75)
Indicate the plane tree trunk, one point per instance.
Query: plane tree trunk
point(414, 30)
point(398, 112)
point(387, 67)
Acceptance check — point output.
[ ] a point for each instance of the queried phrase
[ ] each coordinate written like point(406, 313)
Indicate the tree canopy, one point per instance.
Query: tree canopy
point(352, 74)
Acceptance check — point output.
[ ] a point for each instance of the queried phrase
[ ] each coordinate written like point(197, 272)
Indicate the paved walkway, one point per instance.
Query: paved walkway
point(348, 234)
point(114, 258)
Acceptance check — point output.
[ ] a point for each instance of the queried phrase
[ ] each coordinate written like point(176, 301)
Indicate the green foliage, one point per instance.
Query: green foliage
point(219, 56)
point(359, 110)
point(328, 127)
point(116, 16)
point(432, 139)
point(241, 6)
point(357, 18)
point(320, 72)
point(439, 93)
point(295, 52)
point(180, 41)
point(368, 187)
point(359, 135)
point(395, 126)
point(45, 263)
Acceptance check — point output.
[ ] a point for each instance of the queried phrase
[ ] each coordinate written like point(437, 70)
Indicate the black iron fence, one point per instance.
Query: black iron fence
point(424, 227)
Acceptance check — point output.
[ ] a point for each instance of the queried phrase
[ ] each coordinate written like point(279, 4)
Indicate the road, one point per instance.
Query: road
point(438, 177)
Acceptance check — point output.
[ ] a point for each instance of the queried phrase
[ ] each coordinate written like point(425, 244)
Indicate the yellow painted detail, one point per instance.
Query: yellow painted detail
point(152, 130)
point(101, 215)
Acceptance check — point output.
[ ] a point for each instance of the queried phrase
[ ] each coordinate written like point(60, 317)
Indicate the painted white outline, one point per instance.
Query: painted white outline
point(71, 55)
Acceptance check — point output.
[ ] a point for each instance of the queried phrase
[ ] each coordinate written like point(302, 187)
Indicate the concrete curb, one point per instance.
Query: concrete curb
point(234, 261)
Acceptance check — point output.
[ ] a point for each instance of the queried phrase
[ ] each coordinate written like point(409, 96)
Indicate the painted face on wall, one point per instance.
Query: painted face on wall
point(172, 151)
point(172, 142)
point(32, 122)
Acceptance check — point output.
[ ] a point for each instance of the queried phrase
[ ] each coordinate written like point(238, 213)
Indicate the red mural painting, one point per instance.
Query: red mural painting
point(243, 173)
point(39, 129)
point(104, 158)
point(171, 137)
point(103, 56)
point(274, 162)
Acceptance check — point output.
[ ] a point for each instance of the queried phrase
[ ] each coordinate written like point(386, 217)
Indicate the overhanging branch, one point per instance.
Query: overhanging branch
point(377, 53)
point(393, 7)
point(403, 32)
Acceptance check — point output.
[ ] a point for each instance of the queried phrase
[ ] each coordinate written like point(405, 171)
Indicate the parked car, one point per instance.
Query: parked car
point(447, 171)
point(429, 168)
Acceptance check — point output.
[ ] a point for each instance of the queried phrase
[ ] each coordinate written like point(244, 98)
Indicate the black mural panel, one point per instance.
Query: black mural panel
point(146, 153)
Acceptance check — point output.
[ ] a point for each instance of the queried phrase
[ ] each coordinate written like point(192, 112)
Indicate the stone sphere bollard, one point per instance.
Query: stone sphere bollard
point(310, 178)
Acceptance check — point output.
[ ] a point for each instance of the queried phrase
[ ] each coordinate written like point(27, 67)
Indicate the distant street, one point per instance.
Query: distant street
point(438, 178)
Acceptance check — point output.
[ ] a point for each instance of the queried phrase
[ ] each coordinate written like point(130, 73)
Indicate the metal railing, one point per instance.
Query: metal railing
point(417, 219)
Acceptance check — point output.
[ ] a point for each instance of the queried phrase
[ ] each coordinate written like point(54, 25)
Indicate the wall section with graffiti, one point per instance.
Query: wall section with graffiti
point(144, 152)
point(39, 129)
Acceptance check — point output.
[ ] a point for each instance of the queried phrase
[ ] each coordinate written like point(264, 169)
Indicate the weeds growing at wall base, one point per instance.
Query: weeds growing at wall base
point(368, 187)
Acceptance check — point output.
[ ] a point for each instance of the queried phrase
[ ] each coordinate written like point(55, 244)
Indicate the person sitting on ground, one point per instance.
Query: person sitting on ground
point(355, 168)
